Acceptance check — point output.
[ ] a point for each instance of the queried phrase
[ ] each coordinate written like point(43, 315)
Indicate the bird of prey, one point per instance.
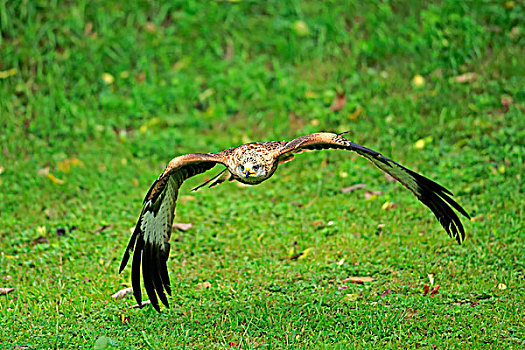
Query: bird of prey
point(251, 164)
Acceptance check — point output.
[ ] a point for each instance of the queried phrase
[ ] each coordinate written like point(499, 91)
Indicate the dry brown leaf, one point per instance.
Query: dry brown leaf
point(151, 27)
point(434, 290)
point(122, 293)
point(4, 291)
point(182, 227)
point(40, 239)
point(67, 164)
point(360, 280)
point(426, 289)
point(338, 103)
point(318, 223)
point(353, 188)
point(136, 306)
point(466, 78)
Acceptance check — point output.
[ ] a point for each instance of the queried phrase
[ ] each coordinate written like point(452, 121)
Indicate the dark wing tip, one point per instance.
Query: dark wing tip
point(155, 275)
point(124, 262)
point(135, 270)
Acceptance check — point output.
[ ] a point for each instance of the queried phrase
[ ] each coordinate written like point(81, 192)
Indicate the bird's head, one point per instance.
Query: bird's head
point(251, 169)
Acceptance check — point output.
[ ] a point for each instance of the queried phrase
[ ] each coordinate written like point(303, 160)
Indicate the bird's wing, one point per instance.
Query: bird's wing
point(433, 195)
point(150, 239)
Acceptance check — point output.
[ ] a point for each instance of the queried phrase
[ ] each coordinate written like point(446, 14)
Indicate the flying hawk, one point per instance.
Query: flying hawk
point(251, 164)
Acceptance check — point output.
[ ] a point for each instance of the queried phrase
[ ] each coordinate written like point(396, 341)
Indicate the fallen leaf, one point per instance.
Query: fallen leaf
point(2, 169)
point(388, 205)
point(43, 171)
point(67, 164)
point(352, 188)
point(8, 73)
point(182, 227)
point(420, 144)
point(137, 306)
point(514, 32)
point(372, 194)
point(54, 179)
point(426, 289)
point(88, 29)
point(318, 223)
point(355, 114)
point(4, 291)
point(430, 278)
point(359, 280)
point(340, 262)
point(505, 103)
point(124, 319)
point(502, 286)
point(418, 80)
point(107, 78)
point(338, 103)
point(39, 240)
point(150, 27)
point(122, 293)
point(434, 291)
point(466, 78)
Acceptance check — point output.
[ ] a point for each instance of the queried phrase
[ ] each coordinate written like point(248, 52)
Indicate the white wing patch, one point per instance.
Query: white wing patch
point(157, 228)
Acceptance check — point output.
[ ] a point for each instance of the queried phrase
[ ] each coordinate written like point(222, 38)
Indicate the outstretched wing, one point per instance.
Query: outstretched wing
point(150, 239)
point(433, 195)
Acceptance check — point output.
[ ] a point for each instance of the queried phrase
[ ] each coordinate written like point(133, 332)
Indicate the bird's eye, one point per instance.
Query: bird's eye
point(241, 167)
point(256, 167)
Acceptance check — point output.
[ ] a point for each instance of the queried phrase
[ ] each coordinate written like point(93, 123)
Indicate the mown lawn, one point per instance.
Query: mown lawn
point(97, 96)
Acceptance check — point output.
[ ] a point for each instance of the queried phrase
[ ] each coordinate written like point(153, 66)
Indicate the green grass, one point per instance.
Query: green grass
point(193, 77)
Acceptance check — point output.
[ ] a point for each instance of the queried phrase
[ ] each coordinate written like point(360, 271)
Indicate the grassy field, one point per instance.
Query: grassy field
point(97, 96)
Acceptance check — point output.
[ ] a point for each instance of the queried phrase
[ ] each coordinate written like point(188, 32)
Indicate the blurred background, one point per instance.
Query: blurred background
point(97, 96)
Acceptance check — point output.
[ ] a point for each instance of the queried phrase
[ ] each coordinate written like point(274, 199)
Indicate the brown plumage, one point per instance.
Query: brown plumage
point(252, 163)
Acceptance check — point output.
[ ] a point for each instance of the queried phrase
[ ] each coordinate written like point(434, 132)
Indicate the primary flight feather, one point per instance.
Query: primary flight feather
point(251, 163)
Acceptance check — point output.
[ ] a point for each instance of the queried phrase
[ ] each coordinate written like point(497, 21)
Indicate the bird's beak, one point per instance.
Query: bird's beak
point(248, 172)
